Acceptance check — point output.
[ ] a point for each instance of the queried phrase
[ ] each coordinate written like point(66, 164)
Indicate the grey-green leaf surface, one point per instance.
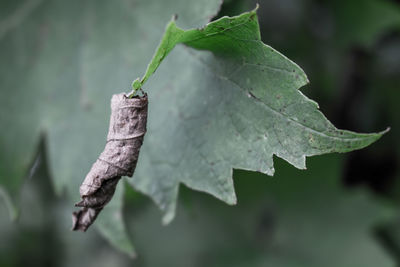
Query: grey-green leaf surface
point(60, 63)
point(234, 106)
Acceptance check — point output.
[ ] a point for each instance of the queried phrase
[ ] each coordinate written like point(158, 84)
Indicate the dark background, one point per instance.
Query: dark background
point(350, 51)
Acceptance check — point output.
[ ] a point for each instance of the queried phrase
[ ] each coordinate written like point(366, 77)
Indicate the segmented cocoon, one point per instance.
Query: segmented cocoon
point(119, 158)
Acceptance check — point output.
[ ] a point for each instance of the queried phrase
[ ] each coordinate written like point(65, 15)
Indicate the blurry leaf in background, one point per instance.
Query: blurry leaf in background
point(381, 98)
point(389, 236)
point(61, 62)
point(297, 218)
point(35, 233)
point(42, 236)
point(363, 22)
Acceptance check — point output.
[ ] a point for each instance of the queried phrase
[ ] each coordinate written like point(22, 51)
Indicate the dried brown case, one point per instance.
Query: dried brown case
point(119, 158)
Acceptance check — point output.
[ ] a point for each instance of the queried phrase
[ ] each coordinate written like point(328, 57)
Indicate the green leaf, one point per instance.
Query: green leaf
point(233, 108)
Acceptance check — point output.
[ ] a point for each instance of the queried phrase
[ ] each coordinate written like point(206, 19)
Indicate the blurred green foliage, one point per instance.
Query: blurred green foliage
point(324, 216)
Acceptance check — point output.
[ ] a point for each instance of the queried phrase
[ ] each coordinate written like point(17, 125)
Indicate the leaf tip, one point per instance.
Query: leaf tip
point(378, 135)
point(232, 199)
point(132, 254)
point(386, 130)
point(167, 218)
point(368, 139)
point(253, 13)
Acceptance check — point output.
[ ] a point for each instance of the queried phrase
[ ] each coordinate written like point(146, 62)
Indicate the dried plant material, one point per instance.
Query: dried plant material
point(119, 158)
